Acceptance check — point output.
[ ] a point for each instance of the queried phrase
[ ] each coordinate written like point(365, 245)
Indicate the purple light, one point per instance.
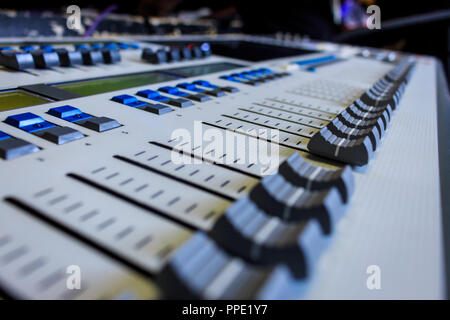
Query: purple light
point(205, 46)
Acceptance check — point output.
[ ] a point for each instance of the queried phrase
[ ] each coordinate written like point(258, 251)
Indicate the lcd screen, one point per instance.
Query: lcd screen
point(15, 99)
point(96, 86)
point(195, 71)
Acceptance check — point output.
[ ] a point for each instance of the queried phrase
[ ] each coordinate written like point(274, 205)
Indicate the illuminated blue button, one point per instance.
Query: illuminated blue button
point(111, 46)
point(28, 122)
point(23, 119)
point(204, 83)
point(3, 136)
point(263, 71)
point(230, 78)
point(153, 95)
point(124, 98)
point(47, 48)
point(129, 100)
point(148, 93)
point(123, 45)
point(137, 103)
point(251, 74)
point(81, 47)
point(190, 87)
point(96, 46)
point(68, 113)
point(27, 48)
point(169, 89)
point(6, 48)
point(160, 98)
point(173, 90)
point(242, 76)
point(64, 111)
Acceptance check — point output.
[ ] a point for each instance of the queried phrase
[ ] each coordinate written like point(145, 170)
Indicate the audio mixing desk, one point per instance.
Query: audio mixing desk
point(218, 167)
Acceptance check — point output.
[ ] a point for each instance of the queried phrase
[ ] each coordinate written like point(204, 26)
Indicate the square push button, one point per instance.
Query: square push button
point(100, 124)
point(61, 135)
point(199, 97)
point(124, 99)
point(215, 93)
point(181, 103)
point(190, 87)
point(205, 83)
point(129, 100)
point(28, 122)
point(152, 95)
point(230, 89)
point(157, 108)
point(172, 90)
point(12, 148)
point(68, 113)
point(230, 78)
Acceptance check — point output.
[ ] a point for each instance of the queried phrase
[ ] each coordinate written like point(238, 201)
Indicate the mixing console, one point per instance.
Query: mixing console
point(169, 168)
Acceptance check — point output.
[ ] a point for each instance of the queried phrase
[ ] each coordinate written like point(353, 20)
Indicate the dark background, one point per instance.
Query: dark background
point(412, 26)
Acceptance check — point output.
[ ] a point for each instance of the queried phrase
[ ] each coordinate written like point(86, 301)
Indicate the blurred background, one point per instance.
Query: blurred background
point(414, 26)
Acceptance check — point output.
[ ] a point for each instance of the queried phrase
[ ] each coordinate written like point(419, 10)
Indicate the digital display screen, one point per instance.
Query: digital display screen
point(91, 87)
point(15, 99)
point(194, 71)
point(245, 50)
point(254, 51)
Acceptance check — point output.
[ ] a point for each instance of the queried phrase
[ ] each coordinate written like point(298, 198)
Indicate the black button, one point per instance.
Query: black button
point(69, 58)
point(181, 103)
point(270, 241)
point(61, 135)
point(215, 92)
point(199, 263)
point(157, 108)
point(160, 56)
point(44, 59)
point(16, 60)
point(197, 52)
point(186, 53)
point(275, 196)
point(12, 148)
point(200, 97)
point(111, 56)
point(146, 53)
point(91, 57)
point(339, 129)
point(301, 173)
point(271, 77)
point(230, 89)
point(253, 82)
point(353, 151)
point(173, 55)
point(100, 124)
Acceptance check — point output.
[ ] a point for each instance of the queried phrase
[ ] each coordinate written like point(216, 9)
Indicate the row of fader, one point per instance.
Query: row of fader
point(271, 237)
point(251, 252)
point(174, 54)
point(353, 136)
point(30, 58)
